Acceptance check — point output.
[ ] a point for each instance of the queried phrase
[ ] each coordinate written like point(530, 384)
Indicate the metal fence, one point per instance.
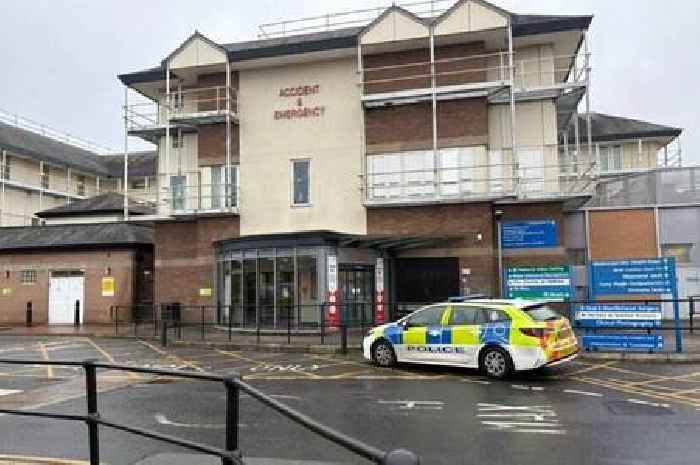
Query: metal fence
point(242, 324)
point(230, 454)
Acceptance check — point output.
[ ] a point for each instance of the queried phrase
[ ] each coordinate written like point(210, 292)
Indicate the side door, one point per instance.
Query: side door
point(464, 334)
point(494, 326)
point(423, 335)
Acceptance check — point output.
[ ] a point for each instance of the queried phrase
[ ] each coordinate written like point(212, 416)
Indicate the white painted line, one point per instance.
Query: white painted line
point(541, 431)
point(476, 381)
point(650, 404)
point(163, 420)
point(511, 424)
point(414, 404)
point(523, 387)
point(583, 393)
point(9, 392)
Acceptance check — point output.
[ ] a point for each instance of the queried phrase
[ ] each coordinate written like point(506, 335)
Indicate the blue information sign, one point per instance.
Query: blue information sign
point(623, 341)
point(529, 234)
point(539, 282)
point(646, 276)
point(619, 315)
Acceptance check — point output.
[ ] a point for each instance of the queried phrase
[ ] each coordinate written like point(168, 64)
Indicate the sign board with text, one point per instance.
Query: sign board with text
point(645, 276)
point(530, 234)
point(539, 282)
point(619, 316)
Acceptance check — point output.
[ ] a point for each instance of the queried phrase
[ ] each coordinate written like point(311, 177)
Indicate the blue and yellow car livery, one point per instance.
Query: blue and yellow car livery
point(498, 336)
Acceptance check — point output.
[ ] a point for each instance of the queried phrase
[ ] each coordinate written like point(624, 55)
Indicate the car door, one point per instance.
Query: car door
point(423, 334)
point(464, 334)
point(494, 326)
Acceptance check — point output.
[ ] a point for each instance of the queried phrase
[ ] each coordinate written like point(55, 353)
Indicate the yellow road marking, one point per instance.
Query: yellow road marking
point(45, 356)
point(591, 367)
point(109, 358)
point(172, 357)
point(635, 390)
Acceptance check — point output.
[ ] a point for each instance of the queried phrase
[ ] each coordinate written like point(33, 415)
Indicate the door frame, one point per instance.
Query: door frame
point(67, 274)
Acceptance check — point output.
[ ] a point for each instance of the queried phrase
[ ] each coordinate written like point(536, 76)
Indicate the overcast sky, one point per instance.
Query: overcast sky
point(60, 58)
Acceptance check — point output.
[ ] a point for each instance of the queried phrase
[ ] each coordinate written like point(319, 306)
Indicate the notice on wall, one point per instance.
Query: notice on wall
point(205, 292)
point(6, 291)
point(107, 286)
point(332, 273)
point(379, 275)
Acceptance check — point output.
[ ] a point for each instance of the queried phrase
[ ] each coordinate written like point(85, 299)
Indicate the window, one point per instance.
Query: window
point(177, 141)
point(6, 168)
point(610, 158)
point(431, 316)
point(489, 315)
point(177, 189)
point(28, 277)
point(80, 189)
point(681, 252)
point(300, 182)
point(462, 316)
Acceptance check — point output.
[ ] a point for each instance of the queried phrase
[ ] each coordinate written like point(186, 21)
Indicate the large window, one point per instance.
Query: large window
point(431, 316)
point(5, 168)
point(177, 189)
point(300, 182)
point(610, 158)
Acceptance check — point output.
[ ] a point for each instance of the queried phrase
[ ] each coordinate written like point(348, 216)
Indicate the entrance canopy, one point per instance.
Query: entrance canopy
point(394, 243)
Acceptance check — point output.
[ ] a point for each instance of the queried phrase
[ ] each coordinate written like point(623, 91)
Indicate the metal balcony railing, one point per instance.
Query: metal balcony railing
point(475, 70)
point(186, 106)
point(196, 192)
point(535, 173)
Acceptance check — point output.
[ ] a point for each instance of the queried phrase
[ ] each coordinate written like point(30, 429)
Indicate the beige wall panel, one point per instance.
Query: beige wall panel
point(536, 124)
point(469, 17)
point(534, 66)
point(332, 141)
point(394, 26)
point(197, 53)
point(24, 170)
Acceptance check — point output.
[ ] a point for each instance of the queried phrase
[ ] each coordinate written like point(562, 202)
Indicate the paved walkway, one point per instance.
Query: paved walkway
point(305, 341)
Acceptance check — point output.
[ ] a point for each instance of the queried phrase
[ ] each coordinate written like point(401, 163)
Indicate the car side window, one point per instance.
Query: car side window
point(490, 315)
point(431, 316)
point(463, 315)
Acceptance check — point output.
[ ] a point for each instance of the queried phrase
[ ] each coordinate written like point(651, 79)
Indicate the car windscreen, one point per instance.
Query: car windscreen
point(542, 313)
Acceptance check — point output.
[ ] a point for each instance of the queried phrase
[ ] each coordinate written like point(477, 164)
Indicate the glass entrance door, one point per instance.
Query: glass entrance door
point(357, 294)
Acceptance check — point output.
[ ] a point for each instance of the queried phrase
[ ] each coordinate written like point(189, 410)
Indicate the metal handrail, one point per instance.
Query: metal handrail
point(230, 454)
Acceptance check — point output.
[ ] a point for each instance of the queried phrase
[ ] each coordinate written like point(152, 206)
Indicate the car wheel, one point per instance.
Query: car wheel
point(496, 363)
point(383, 354)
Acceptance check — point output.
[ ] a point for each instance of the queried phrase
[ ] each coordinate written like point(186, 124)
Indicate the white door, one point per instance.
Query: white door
point(64, 291)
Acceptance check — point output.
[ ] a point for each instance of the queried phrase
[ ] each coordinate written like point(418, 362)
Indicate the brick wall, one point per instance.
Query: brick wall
point(211, 144)
point(95, 264)
point(622, 234)
point(464, 220)
point(409, 127)
point(414, 67)
point(184, 258)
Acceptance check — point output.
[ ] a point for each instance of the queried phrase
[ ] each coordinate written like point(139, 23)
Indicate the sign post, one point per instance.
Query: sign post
point(643, 276)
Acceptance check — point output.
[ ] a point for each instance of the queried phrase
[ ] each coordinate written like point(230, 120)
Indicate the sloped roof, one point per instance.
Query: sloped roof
point(77, 235)
point(611, 128)
point(111, 202)
point(523, 25)
point(141, 164)
point(45, 149)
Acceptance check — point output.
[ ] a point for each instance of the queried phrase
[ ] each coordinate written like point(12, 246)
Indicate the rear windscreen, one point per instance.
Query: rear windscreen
point(542, 313)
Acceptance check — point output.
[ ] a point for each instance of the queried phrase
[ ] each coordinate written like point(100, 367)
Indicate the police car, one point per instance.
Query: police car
point(496, 336)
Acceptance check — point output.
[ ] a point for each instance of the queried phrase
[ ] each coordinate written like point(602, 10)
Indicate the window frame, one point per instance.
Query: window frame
point(507, 319)
point(470, 308)
point(28, 277)
point(292, 181)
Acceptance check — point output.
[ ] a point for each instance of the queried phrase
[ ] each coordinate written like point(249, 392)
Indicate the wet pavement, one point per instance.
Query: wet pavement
point(586, 412)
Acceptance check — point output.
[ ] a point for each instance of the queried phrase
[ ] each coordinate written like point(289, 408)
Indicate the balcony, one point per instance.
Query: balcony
point(474, 75)
point(203, 192)
point(184, 109)
point(473, 174)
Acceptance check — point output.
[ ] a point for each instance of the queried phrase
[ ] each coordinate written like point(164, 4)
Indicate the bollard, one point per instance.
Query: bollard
point(76, 319)
point(343, 338)
point(29, 314)
point(232, 416)
point(92, 413)
point(164, 333)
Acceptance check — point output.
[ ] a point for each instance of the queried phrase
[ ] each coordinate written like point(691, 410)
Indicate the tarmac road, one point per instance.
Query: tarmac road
point(583, 413)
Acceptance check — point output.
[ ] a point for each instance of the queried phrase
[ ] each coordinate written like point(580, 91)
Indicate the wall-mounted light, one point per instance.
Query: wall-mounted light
point(479, 236)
